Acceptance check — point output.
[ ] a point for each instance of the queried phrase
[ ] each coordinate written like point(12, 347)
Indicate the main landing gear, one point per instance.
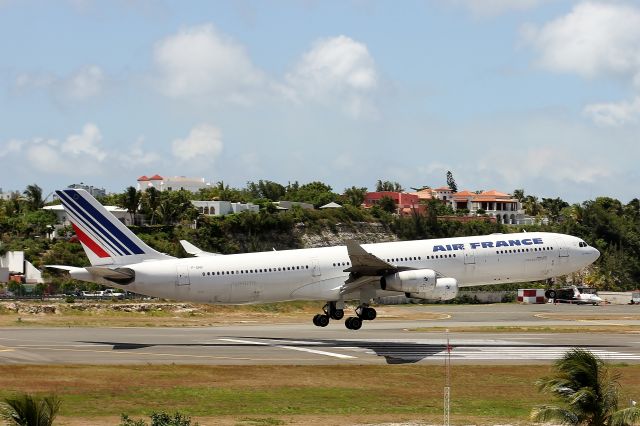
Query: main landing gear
point(331, 311)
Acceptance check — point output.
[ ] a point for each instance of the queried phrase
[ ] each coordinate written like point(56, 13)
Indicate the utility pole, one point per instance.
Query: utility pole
point(447, 380)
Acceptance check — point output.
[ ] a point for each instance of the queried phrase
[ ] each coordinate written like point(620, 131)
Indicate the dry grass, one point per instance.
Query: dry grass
point(484, 394)
point(108, 314)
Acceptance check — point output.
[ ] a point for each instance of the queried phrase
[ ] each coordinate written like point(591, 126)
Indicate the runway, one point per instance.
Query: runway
point(383, 341)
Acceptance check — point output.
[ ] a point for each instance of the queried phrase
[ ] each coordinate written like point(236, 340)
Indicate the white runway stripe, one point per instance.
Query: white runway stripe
point(293, 348)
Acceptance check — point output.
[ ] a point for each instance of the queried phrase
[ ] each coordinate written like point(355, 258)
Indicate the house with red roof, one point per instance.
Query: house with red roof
point(174, 183)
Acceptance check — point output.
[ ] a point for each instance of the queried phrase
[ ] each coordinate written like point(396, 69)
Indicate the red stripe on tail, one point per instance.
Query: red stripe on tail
point(87, 241)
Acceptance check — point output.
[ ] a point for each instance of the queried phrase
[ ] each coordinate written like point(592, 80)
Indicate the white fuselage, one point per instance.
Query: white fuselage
point(319, 273)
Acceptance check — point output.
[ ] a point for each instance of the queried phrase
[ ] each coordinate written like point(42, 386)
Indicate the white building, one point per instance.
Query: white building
point(503, 207)
point(175, 183)
point(221, 208)
point(7, 195)
point(14, 263)
point(94, 191)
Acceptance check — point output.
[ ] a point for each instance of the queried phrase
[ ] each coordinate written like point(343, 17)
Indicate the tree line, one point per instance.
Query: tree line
point(607, 224)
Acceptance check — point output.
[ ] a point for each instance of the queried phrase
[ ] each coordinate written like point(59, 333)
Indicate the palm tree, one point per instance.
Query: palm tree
point(130, 200)
point(152, 201)
point(33, 194)
point(587, 391)
point(27, 410)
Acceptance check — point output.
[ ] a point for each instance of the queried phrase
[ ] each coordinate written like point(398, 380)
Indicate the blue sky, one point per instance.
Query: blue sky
point(535, 94)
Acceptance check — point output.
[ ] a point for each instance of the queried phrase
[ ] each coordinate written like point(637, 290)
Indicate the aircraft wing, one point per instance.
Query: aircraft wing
point(364, 263)
point(365, 268)
point(195, 251)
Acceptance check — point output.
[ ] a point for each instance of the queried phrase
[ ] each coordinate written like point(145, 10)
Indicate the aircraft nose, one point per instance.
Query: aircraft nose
point(596, 254)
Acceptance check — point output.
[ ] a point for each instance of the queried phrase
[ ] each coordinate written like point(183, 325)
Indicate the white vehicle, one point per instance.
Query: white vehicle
point(425, 269)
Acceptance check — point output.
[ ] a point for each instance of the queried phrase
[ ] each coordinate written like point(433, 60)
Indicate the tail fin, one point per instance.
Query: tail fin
point(105, 239)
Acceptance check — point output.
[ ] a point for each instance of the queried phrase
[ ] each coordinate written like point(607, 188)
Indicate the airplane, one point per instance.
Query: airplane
point(574, 294)
point(431, 269)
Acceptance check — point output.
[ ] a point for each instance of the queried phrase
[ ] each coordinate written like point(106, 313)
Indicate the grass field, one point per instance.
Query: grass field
point(158, 314)
point(484, 394)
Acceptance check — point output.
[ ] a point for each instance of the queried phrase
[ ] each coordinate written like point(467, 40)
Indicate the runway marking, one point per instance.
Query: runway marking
point(146, 353)
point(293, 348)
point(487, 353)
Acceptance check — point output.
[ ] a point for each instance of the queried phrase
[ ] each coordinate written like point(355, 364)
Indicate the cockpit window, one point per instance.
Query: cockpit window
point(583, 244)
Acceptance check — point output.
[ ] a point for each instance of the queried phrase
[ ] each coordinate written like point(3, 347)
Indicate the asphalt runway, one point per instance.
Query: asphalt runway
point(383, 341)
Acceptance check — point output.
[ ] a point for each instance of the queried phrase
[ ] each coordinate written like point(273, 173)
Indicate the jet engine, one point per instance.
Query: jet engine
point(421, 284)
point(445, 289)
point(415, 281)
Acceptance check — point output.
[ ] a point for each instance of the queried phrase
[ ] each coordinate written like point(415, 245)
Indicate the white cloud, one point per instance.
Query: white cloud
point(596, 39)
point(77, 155)
point(81, 85)
point(542, 162)
point(86, 143)
point(491, 8)
point(138, 156)
point(202, 63)
point(336, 70)
point(200, 148)
point(614, 113)
point(84, 84)
point(12, 147)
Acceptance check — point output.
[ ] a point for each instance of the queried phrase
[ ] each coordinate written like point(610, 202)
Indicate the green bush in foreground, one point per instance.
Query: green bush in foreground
point(587, 391)
point(158, 419)
point(27, 410)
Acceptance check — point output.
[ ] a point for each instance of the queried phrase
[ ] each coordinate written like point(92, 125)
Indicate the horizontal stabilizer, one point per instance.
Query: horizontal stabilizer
point(62, 267)
point(195, 251)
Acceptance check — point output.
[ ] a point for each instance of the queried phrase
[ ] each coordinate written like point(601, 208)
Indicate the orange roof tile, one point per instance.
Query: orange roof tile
point(143, 178)
point(465, 193)
point(495, 193)
point(156, 177)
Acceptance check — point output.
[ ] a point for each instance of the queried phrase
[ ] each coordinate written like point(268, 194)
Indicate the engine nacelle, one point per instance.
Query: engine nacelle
point(416, 281)
point(445, 289)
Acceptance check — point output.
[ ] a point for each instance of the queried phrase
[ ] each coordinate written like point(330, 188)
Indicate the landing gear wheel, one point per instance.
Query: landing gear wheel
point(320, 320)
point(551, 294)
point(331, 310)
point(353, 323)
point(368, 314)
point(337, 314)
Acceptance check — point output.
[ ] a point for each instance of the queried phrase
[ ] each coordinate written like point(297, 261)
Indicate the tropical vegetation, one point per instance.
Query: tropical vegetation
point(610, 225)
point(587, 392)
point(29, 410)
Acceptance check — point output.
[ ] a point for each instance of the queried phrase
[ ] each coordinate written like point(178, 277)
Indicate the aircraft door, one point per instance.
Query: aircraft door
point(469, 257)
point(182, 275)
point(563, 250)
point(315, 268)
